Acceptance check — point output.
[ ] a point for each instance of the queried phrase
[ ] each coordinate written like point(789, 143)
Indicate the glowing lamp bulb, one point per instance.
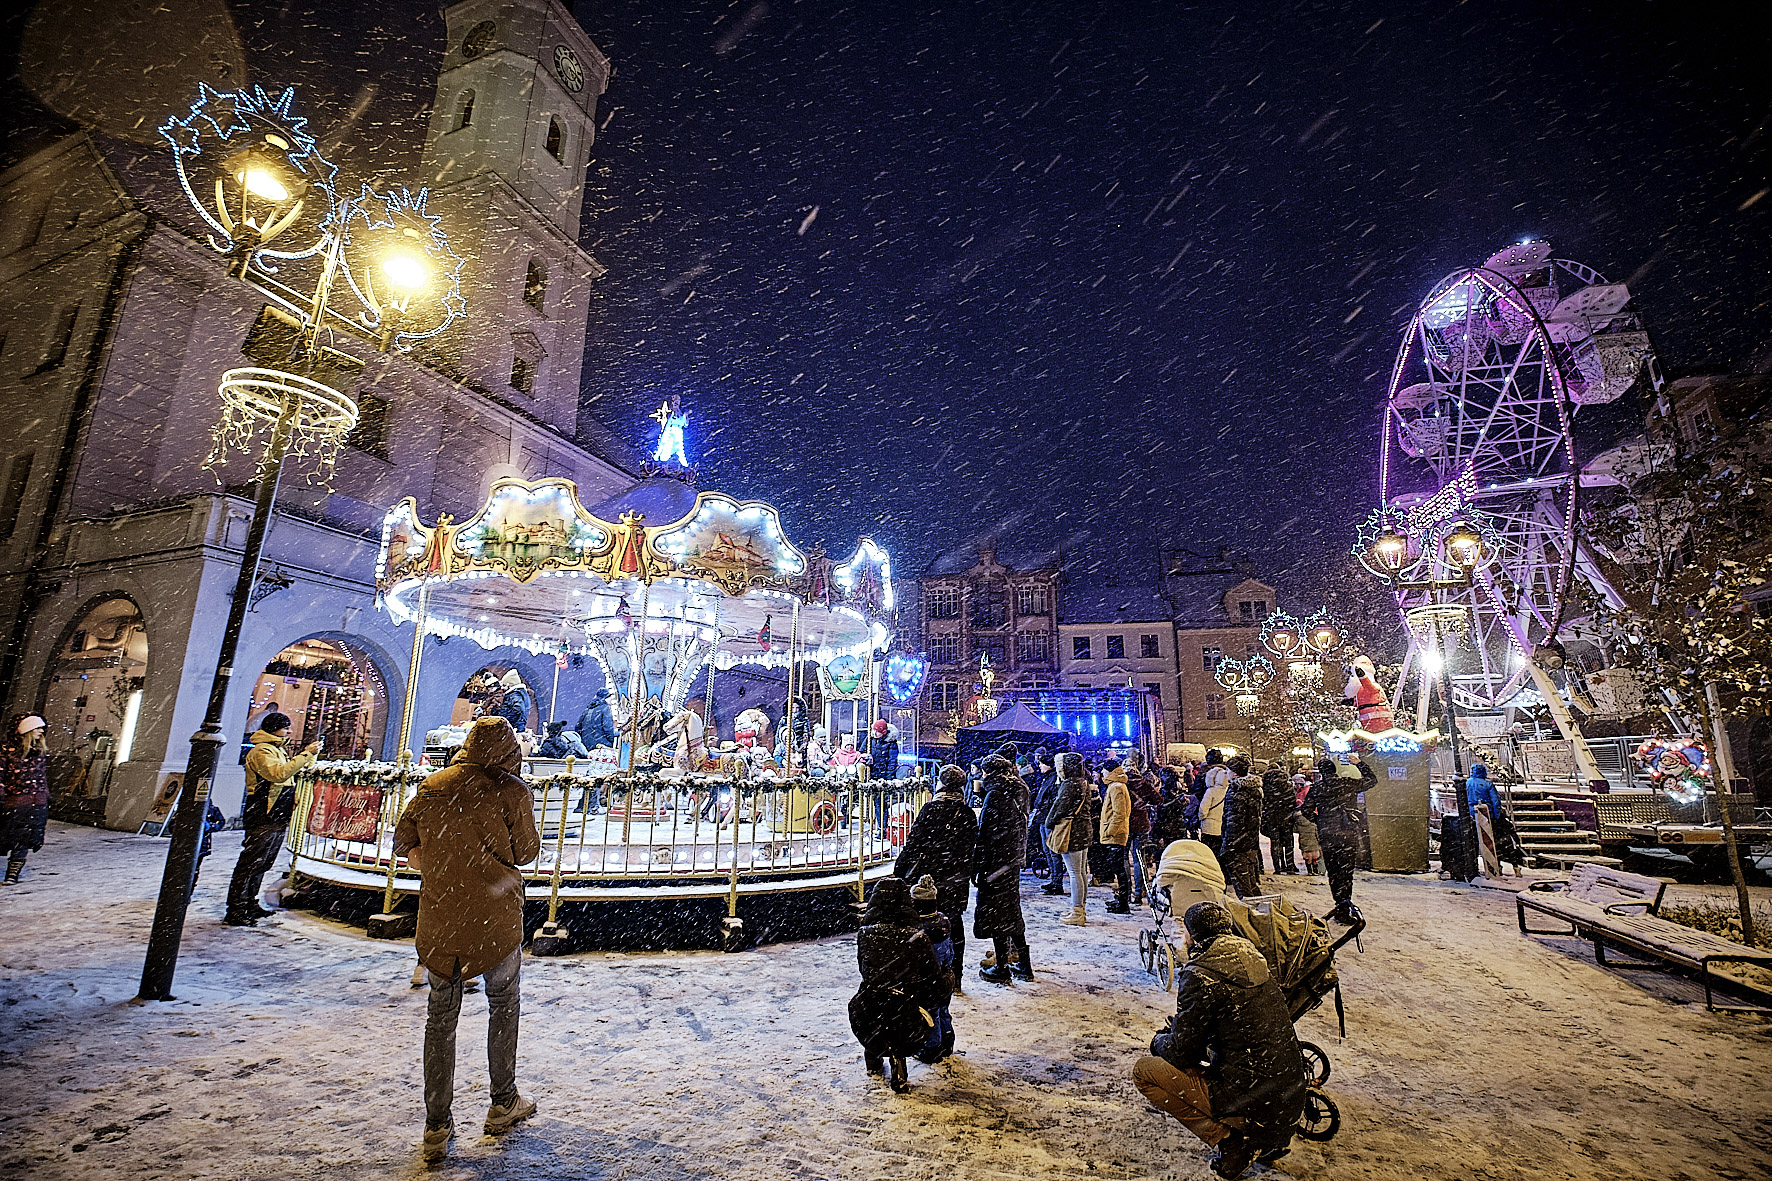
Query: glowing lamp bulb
point(405, 271)
point(1465, 546)
point(1432, 662)
point(262, 183)
point(1391, 548)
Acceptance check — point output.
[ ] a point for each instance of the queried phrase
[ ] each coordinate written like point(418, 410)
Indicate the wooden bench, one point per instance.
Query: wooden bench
point(1608, 905)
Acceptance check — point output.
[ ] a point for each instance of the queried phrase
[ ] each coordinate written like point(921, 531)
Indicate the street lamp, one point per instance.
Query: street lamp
point(1388, 552)
point(256, 177)
point(1245, 680)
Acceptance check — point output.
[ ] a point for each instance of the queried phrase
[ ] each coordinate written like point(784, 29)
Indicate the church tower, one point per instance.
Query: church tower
point(505, 158)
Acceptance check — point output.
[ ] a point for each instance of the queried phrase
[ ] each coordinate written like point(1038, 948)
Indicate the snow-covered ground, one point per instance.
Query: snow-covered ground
point(293, 1052)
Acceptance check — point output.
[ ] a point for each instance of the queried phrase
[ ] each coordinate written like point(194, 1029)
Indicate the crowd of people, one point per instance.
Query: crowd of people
point(1228, 1065)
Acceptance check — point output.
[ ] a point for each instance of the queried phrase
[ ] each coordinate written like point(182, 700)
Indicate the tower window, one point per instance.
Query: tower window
point(522, 375)
point(556, 143)
point(535, 286)
point(465, 117)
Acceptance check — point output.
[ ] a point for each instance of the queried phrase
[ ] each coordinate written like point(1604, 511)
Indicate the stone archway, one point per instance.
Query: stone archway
point(335, 688)
point(91, 699)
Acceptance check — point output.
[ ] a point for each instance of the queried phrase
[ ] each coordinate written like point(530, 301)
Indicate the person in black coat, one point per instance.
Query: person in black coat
point(1228, 1066)
point(883, 750)
point(516, 702)
point(596, 725)
point(996, 866)
point(1334, 803)
point(562, 742)
point(941, 843)
point(1278, 807)
point(1240, 848)
point(902, 983)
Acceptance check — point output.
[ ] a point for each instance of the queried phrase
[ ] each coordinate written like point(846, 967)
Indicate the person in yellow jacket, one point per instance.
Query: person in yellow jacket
point(270, 801)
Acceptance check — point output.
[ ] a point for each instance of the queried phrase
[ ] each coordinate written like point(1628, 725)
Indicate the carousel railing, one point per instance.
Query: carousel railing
point(606, 830)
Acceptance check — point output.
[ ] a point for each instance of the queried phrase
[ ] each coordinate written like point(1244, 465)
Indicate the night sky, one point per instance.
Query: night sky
point(1096, 275)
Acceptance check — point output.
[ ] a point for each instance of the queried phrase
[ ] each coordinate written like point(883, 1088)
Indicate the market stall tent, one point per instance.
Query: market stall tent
point(1017, 724)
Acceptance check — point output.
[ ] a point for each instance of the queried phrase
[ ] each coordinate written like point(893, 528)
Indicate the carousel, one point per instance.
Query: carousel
point(665, 588)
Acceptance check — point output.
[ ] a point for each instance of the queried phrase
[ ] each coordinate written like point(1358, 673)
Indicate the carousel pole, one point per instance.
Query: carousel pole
point(732, 930)
point(387, 924)
point(551, 938)
point(708, 700)
point(636, 691)
point(787, 716)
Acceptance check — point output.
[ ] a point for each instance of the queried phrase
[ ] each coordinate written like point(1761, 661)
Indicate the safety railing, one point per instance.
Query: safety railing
point(692, 835)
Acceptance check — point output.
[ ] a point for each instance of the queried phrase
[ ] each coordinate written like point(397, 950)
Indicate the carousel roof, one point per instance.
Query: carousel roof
point(535, 569)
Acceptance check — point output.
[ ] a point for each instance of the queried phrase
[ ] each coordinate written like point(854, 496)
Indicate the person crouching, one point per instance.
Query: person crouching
point(902, 983)
point(1228, 1066)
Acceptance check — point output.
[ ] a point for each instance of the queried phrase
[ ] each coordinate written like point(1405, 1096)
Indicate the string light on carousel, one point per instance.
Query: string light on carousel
point(661, 586)
point(254, 174)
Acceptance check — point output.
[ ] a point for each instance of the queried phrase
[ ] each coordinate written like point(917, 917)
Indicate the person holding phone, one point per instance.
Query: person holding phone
point(270, 801)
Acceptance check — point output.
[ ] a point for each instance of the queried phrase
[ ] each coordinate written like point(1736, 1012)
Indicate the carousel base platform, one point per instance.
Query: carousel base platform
point(634, 916)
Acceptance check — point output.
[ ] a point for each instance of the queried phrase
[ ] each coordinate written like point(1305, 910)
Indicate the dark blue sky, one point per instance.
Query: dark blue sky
point(1101, 274)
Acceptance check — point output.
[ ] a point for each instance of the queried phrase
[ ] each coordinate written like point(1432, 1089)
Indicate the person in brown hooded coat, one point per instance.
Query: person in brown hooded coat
point(466, 831)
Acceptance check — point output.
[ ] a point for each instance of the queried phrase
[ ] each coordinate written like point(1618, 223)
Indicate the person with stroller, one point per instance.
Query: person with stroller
point(1335, 801)
point(1229, 1066)
point(902, 983)
point(1278, 806)
point(1240, 846)
point(997, 861)
point(940, 846)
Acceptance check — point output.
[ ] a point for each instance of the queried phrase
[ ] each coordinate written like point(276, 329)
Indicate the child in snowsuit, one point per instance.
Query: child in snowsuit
point(936, 926)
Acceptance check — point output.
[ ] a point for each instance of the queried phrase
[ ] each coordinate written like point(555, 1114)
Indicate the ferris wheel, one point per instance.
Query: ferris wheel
point(1478, 431)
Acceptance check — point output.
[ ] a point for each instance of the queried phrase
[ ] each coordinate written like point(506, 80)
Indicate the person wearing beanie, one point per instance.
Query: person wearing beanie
point(1240, 845)
point(1231, 1015)
point(24, 792)
point(940, 846)
point(562, 742)
point(1306, 828)
point(1075, 802)
point(997, 861)
point(883, 750)
point(901, 982)
point(935, 925)
point(269, 803)
point(1334, 804)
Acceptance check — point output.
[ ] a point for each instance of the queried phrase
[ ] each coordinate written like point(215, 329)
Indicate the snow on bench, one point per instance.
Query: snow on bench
point(1608, 905)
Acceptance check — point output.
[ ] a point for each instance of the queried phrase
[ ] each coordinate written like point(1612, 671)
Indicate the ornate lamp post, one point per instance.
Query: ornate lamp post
point(1392, 555)
point(1245, 680)
point(257, 179)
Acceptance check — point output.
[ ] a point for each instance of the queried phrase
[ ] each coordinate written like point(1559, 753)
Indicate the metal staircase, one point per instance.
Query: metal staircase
point(1543, 828)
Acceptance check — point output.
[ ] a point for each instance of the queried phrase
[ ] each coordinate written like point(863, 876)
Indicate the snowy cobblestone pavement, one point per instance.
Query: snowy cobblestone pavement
point(292, 1052)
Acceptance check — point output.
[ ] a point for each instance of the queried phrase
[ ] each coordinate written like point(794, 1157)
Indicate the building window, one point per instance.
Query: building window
point(522, 375)
point(1215, 706)
point(1080, 648)
point(944, 649)
point(12, 496)
point(1036, 682)
point(556, 143)
point(942, 602)
point(1154, 689)
point(60, 339)
point(997, 648)
point(1209, 658)
point(464, 115)
point(1030, 646)
point(1252, 610)
point(1116, 647)
point(535, 286)
point(1030, 600)
point(370, 435)
point(1148, 648)
point(944, 695)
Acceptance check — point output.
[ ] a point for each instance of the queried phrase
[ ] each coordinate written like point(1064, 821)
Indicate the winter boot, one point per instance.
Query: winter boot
point(14, 867)
point(996, 968)
point(1054, 888)
point(1021, 964)
point(436, 1142)
point(505, 1116)
point(1234, 1155)
point(421, 976)
point(1076, 918)
point(874, 1063)
point(900, 1081)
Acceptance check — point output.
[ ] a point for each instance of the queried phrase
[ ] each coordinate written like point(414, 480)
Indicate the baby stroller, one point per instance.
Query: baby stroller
point(1295, 943)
